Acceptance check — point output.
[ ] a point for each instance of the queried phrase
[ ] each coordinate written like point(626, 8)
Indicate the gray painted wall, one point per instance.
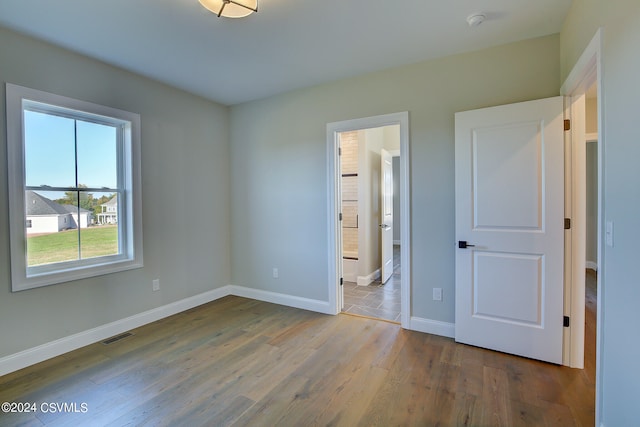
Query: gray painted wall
point(279, 164)
point(619, 377)
point(185, 194)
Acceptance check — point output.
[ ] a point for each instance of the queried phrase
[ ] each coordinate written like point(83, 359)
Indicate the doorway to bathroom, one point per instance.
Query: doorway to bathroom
point(370, 230)
point(369, 179)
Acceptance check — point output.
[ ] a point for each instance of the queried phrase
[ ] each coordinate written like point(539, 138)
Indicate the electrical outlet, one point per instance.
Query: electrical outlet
point(437, 294)
point(155, 284)
point(275, 272)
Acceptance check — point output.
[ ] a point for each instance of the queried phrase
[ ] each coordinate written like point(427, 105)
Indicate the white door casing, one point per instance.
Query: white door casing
point(386, 214)
point(333, 223)
point(509, 180)
point(339, 239)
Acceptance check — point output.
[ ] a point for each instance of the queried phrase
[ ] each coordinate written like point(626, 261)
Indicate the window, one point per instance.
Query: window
point(74, 188)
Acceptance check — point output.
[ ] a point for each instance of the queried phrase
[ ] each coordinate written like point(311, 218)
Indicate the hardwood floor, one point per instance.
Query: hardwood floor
point(241, 362)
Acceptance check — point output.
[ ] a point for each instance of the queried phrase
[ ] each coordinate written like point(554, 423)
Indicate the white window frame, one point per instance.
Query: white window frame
point(129, 202)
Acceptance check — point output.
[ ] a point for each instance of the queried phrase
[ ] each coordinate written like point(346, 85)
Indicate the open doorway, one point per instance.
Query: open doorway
point(584, 206)
point(591, 227)
point(369, 174)
point(355, 221)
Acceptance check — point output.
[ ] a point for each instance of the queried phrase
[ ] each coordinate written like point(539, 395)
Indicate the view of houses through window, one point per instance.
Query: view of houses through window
point(75, 209)
point(71, 191)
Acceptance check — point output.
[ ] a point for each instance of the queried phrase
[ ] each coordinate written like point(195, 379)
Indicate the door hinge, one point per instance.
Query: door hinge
point(339, 151)
point(340, 216)
point(567, 124)
point(567, 223)
point(341, 281)
point(565, 321)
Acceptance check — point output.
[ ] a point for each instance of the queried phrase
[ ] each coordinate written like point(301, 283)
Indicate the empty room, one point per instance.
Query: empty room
point(179, 242)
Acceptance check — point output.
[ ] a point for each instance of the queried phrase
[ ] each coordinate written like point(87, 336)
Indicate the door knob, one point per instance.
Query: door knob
point(462, 244)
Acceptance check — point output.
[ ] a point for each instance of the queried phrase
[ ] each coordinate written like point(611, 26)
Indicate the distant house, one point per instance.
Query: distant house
point(85, 215)
point(47, 216)
point(109, 214)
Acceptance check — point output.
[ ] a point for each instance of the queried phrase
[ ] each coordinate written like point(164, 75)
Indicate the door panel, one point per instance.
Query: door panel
point(517, 278)
point(386, 223)
point(510, 205)
point(499, 155)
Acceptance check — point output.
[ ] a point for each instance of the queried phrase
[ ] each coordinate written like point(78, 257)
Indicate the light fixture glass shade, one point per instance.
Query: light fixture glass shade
point(231, 8)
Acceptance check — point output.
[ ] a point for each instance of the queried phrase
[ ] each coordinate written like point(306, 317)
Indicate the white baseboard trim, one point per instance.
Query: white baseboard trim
point(282, 299)
point(348, 277)
point(592, 265)
point(434, 327)
point(365, 280)
point(60, 346)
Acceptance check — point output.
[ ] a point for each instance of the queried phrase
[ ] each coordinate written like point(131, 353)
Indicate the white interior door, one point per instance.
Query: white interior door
point(509, 173)
point(386, 214)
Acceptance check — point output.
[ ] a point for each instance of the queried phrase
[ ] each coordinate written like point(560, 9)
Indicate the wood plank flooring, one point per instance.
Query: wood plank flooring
point(239, 362)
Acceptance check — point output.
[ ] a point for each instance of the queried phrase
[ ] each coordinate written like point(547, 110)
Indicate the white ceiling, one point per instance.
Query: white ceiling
point(287, 45)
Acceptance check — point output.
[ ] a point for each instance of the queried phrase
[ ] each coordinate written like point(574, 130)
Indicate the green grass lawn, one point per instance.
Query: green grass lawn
point(63, 246)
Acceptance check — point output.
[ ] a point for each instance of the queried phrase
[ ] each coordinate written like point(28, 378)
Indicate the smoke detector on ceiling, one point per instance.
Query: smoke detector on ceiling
point(476, 19)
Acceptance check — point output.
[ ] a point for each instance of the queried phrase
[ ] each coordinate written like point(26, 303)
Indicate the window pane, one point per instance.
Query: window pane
point(97, 155)
point(49, 150)
point(52, 232)
point(68, 159)
point(99, 226)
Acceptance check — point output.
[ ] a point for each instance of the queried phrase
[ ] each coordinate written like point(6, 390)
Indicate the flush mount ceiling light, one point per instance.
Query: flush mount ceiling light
point(476, 19)
point(231, 8)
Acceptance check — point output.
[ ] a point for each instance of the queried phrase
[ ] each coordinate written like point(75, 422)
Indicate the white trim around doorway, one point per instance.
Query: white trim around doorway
point(333, 193)
point(588, 69)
